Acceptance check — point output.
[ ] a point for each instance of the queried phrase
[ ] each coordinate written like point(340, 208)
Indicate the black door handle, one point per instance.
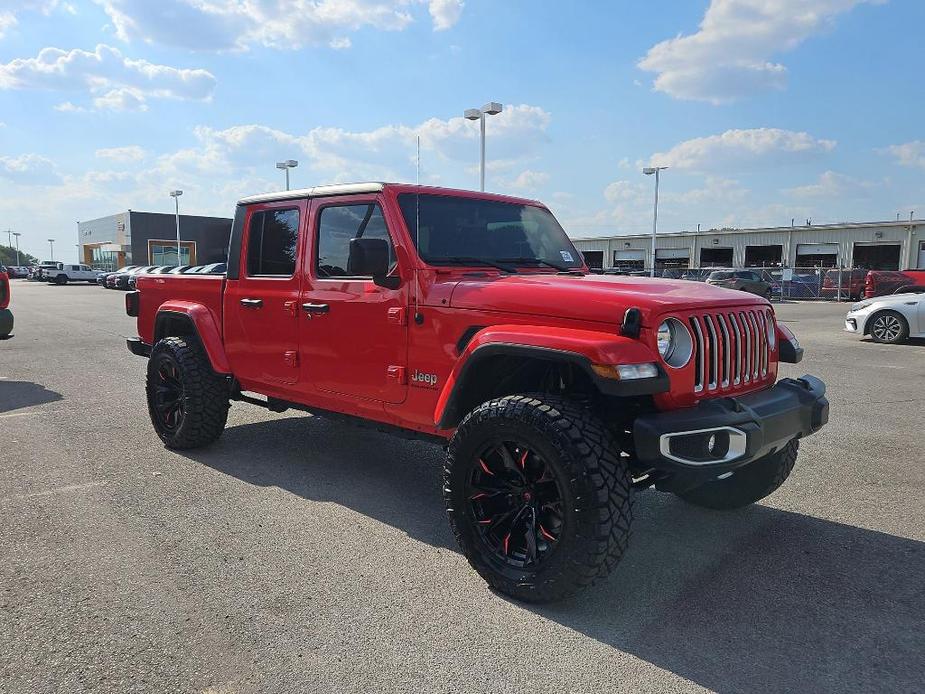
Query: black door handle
point(316, 308)
point(252, 303)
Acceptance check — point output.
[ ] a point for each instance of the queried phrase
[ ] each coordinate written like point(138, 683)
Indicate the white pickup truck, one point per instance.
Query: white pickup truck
point(70, 273)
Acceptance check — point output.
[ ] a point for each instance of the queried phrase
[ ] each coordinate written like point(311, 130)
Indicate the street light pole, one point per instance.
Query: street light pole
point(490, 109)
point(648, 171)
point(175, 194)
point(9, 237)
point(51, 245)
point(286, 165)
point(17, 235)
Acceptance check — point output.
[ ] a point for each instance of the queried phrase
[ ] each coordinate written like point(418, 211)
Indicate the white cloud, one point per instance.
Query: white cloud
point(833, 185)
point(10, 8)
point(283, 24)
point(742, 149)
point(28, 169)
point(909, 153)
point(69, 107)
point(445, 13)
point(340, 43)
point(622, 191)
point(115, 81)
point(729, 56)
point(129, 153)
point(121, 100)
point(530, 180)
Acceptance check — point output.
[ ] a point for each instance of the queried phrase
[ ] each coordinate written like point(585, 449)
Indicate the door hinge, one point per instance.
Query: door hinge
point(397, 315)
point(291, 358)
point(397, 374)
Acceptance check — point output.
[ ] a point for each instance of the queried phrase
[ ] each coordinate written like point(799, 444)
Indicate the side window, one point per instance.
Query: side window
point(75, 268)
point(271, 243)
point(337, 225)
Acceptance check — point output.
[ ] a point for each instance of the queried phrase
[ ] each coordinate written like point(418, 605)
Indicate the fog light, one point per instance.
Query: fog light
point(630, 372)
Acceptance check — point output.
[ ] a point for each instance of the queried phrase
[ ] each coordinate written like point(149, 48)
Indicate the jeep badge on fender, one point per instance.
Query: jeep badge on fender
point(553, 407)
point(422, 379)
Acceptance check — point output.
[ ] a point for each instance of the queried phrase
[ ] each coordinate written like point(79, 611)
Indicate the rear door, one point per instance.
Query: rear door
point(261, 304)
point(354, 334)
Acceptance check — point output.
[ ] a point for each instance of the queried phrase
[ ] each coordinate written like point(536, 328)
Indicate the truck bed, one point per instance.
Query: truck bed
point(157, 290)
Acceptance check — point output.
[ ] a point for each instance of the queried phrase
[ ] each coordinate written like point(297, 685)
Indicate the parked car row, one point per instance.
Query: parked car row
point(124, 278)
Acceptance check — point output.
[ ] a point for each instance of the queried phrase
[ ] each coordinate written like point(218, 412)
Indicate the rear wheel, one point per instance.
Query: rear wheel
point(889, 327)
point(748, 484)
point(187, 401)
point(538, 496)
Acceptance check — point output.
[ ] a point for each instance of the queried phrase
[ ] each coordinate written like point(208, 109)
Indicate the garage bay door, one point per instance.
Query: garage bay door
point(817, 255)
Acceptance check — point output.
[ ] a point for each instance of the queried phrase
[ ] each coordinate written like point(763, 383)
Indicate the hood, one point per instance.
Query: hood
point(600, 298)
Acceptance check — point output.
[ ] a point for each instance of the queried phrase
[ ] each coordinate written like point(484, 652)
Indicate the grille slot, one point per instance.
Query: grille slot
point(730, 349)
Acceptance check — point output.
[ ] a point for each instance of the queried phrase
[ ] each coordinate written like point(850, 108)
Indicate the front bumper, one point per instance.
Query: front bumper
point(743, 429)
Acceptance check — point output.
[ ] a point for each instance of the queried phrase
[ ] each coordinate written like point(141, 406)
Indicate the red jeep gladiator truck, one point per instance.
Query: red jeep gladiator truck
point(470, 319)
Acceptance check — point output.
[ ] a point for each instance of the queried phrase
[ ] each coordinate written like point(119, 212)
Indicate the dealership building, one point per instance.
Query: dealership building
point(150, 238)
point(898, 245)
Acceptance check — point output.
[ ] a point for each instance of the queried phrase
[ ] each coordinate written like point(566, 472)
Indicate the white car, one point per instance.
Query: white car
point(892, 319)
point(65, 273)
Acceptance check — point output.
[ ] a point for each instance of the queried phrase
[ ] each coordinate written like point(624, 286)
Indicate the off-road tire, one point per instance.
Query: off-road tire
point(595, 485)
point(747, 485)
point(61, 279)
point(895, 328)
point(204, 394)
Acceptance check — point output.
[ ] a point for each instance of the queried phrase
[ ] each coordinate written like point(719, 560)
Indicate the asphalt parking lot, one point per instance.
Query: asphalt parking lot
point(298, 554)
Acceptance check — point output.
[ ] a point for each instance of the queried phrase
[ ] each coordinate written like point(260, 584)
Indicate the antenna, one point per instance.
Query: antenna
point(417, 175)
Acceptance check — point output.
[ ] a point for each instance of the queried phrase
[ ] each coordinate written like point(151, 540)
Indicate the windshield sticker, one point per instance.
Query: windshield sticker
point(566, 256)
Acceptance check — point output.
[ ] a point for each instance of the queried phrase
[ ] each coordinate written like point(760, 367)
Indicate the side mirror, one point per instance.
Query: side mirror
point(371, 257)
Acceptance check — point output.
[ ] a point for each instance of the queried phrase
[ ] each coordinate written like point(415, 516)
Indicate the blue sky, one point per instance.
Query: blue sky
point(764, 110)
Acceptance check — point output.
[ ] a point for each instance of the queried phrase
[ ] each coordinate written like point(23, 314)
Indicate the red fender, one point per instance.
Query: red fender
point(596, 347)
point(4, 290)
point(206, 328)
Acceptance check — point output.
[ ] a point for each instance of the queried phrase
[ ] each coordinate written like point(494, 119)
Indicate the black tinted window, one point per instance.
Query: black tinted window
point(271, 242)
point(337, 226)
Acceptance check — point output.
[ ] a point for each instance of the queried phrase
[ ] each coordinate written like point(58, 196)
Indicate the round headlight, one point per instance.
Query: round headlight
point(675, 344)
point(665, 340)
point(771, 329)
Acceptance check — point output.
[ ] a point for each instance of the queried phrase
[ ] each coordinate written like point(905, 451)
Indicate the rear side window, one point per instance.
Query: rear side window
point(271, 243)
point(338, 224)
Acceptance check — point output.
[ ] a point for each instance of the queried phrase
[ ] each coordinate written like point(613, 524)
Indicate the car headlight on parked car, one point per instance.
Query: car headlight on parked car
point(674, 341)
point(861, 304)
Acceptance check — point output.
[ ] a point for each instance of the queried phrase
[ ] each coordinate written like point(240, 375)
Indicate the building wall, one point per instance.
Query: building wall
point(109, 236)
point(210, 234)
point(907, 235)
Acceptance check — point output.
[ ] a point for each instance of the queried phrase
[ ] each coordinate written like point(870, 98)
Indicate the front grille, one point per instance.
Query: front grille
point(731, 349)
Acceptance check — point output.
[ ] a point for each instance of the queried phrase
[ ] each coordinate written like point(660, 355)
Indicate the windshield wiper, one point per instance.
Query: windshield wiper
point(540, 261)
point(466, 260)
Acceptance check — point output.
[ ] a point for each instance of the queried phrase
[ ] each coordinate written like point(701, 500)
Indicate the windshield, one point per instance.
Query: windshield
point(721, 276)
point(468, 229)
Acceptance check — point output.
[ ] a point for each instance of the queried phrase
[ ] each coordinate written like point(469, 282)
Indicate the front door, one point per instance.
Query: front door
point(261, 304)
point(354, 333)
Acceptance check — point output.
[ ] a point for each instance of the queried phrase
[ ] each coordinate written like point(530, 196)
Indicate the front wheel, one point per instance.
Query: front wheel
point(538, 496)
point(61, 279)
point(889, 327)
point(748, 484)
point(187, 401)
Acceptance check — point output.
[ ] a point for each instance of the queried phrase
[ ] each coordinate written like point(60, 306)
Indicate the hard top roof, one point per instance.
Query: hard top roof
point(366, 187)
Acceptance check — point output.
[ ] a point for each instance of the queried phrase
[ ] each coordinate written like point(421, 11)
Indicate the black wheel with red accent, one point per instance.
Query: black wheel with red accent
point(538, 496)
point(187, 401)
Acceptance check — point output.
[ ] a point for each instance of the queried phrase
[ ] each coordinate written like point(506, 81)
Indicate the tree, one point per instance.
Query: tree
point(8, 256)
